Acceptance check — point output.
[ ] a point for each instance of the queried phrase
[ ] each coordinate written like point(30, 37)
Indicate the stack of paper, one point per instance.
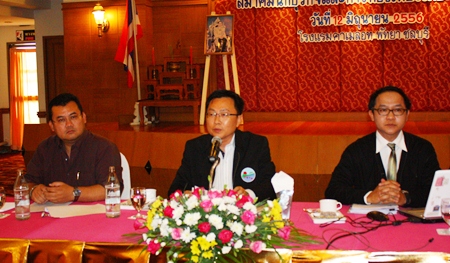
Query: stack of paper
point(364, 209)
point(318, 218)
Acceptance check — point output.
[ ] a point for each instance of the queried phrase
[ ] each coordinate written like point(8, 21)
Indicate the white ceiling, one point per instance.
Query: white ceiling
point(20, 12)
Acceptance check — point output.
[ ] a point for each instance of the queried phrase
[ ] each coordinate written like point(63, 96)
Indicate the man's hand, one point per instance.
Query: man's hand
point(59, 192)
point(387, 192)
point(240, 190)
point(38, 194)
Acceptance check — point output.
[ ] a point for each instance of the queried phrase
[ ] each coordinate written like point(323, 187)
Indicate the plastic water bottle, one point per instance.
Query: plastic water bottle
point(112, 199)
point(21, 197)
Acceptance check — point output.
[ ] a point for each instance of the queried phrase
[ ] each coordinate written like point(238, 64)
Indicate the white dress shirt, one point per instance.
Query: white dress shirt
point(224, 171)
point(385, 151)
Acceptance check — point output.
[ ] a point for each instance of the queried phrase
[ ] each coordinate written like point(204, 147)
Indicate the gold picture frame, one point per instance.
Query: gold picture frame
point(219, 35)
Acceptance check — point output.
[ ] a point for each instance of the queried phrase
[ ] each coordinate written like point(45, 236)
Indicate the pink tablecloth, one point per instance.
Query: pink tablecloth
point(98, 228)
point(404, 237)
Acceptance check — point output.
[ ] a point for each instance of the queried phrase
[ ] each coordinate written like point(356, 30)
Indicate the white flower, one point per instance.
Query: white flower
point(238, 244)
point(250, 228)
point(192, 202)
point(216, 201)
point(211, 237)
point(156, 222)
point(251, 207)
point(229, 199)
point(191, 219)
point(178, 222)
point(144, 236)
point(222, 207)
point(216, 221)
point(187, 236)
point(226, 249)
point(232, 209)
point(237, 228)
point(164, 227)
point(178, 212)
point(269, 237)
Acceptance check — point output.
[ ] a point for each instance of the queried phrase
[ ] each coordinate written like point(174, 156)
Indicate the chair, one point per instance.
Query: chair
point(172, 78)
point(125, 177)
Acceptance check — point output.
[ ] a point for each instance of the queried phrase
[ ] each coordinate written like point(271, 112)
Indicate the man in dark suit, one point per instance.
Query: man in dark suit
point(245, 163)
point(363, 171)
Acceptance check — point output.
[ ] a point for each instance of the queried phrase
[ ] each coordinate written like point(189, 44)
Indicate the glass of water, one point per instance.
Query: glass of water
point(445, 211)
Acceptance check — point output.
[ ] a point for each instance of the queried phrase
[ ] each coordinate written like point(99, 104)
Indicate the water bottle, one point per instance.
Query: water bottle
point(112, 199)
point(21, 197)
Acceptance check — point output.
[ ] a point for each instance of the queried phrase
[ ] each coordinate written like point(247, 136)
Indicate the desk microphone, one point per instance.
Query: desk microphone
point(215, 149)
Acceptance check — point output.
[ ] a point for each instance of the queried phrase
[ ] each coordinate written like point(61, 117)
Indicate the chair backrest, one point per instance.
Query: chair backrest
point(125, 177)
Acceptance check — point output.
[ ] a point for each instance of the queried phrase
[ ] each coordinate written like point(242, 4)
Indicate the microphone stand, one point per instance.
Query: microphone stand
point(212, 172)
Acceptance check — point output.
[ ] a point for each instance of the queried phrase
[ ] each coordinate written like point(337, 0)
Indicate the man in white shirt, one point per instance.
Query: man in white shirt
point(245, 163)
point(370, 172)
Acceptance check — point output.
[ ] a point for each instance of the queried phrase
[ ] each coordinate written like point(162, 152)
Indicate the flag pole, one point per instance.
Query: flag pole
point(138, 79)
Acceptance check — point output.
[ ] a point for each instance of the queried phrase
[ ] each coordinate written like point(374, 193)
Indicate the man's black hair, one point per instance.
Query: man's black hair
point(374, 96)
point(238, 101)
point(62, 100)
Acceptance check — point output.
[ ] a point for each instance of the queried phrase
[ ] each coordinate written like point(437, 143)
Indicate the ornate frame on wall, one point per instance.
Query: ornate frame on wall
point(219, 34)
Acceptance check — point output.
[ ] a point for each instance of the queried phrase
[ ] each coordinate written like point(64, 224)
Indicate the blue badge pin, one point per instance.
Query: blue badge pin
point(248, 174)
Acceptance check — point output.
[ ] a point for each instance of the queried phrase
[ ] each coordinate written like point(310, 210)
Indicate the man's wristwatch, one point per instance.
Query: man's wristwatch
point(408, 198)
point(76, 193)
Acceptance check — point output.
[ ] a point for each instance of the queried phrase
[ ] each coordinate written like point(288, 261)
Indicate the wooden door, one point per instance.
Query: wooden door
point(54, 67)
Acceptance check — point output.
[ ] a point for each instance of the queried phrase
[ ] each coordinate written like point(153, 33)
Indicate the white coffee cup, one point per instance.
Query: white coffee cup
point(150, 195)
point(329, 207)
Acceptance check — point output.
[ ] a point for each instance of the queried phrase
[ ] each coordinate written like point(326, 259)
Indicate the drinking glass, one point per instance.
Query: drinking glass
point(445, 211)
point(2, 198)
point(137, 196)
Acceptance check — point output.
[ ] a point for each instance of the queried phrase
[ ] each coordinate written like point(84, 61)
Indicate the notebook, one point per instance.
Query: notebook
point(440, 188)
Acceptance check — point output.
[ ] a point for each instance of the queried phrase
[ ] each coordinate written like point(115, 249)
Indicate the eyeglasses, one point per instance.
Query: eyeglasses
point(63, 120)
point(386, 111)
point(223, 115)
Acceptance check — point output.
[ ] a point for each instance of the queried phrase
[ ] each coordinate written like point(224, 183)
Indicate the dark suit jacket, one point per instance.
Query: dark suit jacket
point(251, 151)
point(360, 170)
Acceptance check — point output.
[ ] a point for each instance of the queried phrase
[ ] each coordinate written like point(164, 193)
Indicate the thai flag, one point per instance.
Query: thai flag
point(125, 51)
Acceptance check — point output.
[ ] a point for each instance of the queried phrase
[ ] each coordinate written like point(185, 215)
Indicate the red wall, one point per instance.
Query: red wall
point(279, 73)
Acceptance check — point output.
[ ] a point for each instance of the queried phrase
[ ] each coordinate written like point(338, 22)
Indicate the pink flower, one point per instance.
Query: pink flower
point(176, 195)
point(257, 246)
point(176, 233)
point(207, 205)
point(225, 236)
point(138, 223)
point(244, 199)
point(168, 211)
point(153, 247)
point(197, 191)
point(204, 227)
point(248, 217)
point(231, 193)
point(284, 232)
point(214, 194)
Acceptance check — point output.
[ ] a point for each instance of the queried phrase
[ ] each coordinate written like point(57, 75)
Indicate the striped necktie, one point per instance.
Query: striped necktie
point(392, 164)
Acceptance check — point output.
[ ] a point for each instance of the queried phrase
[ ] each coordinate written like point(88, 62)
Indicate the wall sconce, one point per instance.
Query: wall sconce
point(99, 16)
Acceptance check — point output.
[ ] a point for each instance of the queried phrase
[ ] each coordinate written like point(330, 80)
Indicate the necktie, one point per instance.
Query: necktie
point(392, 164)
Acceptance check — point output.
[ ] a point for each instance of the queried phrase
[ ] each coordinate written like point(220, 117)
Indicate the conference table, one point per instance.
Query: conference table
point(99, 239)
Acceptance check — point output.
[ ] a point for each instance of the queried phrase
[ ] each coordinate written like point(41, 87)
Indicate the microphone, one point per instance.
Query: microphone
point(215, 149)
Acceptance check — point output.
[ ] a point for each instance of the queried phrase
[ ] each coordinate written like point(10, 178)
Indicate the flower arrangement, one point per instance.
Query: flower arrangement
point(216, 226)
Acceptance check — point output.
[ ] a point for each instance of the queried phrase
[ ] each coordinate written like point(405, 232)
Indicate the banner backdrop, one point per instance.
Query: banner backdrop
point(331, 57)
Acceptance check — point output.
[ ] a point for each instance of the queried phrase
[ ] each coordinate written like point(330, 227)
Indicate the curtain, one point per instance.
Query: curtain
point(17, 94)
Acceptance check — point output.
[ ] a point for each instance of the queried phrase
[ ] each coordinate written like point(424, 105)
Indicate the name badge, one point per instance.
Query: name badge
point(248, 175)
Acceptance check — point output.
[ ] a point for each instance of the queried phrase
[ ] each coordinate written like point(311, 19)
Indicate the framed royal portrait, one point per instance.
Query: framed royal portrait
point(219, 35)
